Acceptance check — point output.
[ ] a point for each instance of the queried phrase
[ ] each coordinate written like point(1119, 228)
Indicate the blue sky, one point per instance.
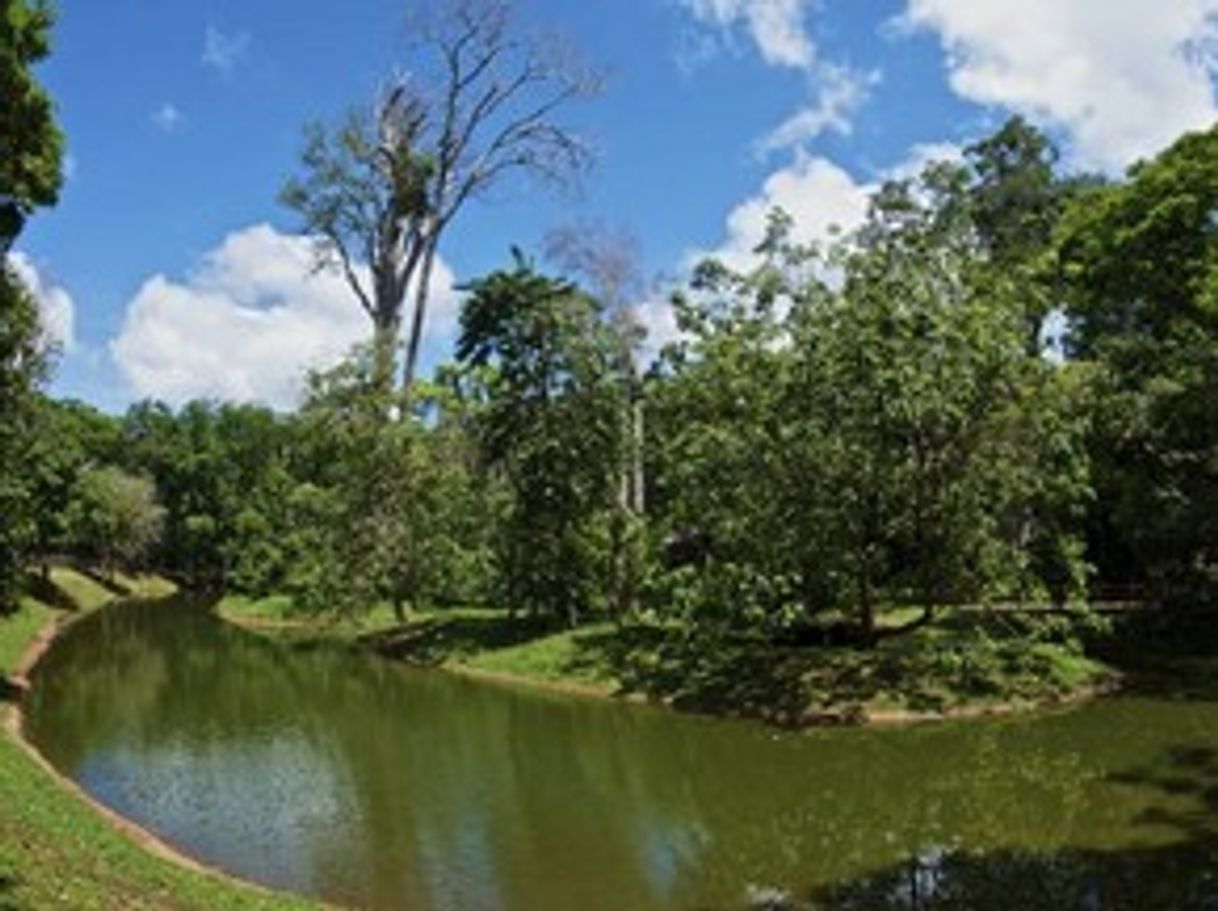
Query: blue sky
point(170, 271)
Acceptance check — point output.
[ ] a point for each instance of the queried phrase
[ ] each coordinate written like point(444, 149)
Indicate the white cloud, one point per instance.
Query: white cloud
point(1123, 77)
point(168, 118)
point(777, 27)
point(840, 92)
point(817, 194)
point(249, 322)
point(822, 199)
point(55, 307)
point(222, 52)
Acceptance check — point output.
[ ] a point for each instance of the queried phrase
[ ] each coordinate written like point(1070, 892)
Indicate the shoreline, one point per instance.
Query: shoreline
point(810, 719)
point(13, 724)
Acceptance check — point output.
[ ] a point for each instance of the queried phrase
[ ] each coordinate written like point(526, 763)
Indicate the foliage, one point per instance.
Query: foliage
point(22, 365)
point(30, 150)
point(398, 505)
point(114, 517)
point(552, 424)
point(867, 427)
point(31, 145)
point(1141, 265)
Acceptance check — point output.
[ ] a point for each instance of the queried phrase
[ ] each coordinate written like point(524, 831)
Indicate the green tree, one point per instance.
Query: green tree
point(864, 426)
point(552, 424)
point(31, 144)
point(22, 367)
point(114, 517)
point(1140, 260)
point(943, 455)
point(67, 437)
point(30, 152)
point(393, 513)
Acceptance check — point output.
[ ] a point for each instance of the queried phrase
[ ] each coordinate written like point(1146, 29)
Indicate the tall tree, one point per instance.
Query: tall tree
point(30, 152)
point(1140, 259)
point(478, 103)
point(552, 424)
point(608, 261)
point(31, 144)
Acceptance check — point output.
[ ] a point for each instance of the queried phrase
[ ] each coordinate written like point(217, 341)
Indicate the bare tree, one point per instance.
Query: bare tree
point(608, 259)
point(478, 103)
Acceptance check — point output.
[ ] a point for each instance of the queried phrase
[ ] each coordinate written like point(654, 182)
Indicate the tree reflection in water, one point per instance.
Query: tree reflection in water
point(1178, 876)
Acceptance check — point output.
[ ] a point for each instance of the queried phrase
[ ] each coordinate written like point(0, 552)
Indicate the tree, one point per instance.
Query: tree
point(30, 151)
point(114, 517)
point(22, 366)
point(552, 424)
point(864, 426)
point(393, 512)
point(478, 105)
point(941, 452)
point(1140, 263)
point(31, 145)
point(608, 261)
point(68, 436)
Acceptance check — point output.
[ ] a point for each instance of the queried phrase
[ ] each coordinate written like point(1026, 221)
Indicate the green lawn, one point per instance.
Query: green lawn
point(967, 662)
point(55, 850)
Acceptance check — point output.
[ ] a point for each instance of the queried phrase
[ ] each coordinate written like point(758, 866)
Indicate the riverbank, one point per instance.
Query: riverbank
point(57, 848)
point(964, 666)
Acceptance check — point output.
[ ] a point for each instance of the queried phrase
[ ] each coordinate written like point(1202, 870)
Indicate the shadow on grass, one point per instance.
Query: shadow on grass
point(45, 590)
point(10, 693)
point(7, 885)
point(926, 671)
point(1171, 656)
point(433, 641)
point(1179, 874)
point(113, 586)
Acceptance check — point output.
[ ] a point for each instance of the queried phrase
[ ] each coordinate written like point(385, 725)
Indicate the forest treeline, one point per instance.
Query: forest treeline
point(1003, 387)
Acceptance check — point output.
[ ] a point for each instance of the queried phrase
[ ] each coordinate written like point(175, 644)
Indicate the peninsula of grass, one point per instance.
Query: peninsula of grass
point(57, 851)
point(969, 663)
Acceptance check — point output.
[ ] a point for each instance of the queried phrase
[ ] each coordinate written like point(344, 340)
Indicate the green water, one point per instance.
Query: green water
point(366, 783)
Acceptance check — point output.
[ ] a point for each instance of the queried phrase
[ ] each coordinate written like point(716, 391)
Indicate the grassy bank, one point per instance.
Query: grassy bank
point(969, 663)
point(56, 851)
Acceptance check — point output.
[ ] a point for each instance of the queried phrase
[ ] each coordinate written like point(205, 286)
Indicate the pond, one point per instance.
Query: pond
point(363, 782)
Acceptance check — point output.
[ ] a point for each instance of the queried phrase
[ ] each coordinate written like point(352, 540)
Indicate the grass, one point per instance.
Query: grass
point(963, 663)
point(55, 850)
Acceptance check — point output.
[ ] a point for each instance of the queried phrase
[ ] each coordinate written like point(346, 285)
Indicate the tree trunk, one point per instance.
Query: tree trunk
point(384, 343)
point(866, 608)
point(636, 453)
point(421, 291)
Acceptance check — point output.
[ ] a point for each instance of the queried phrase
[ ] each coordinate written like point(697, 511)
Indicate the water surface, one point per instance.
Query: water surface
point(356, 780)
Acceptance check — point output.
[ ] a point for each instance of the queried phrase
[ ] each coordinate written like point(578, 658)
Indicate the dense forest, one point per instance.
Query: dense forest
point(1000, 390)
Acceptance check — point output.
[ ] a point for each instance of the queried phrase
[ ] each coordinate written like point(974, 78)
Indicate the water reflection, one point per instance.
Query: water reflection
point(364, 782)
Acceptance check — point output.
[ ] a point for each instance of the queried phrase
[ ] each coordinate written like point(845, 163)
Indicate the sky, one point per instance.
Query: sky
point(169, 270)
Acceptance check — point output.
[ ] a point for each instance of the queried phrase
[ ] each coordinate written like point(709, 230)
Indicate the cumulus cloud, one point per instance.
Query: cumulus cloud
point(249, 322)
point(1122, 77)
point(55, 307)
point(223, 52)
point(819, 196)
point(823, 200)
